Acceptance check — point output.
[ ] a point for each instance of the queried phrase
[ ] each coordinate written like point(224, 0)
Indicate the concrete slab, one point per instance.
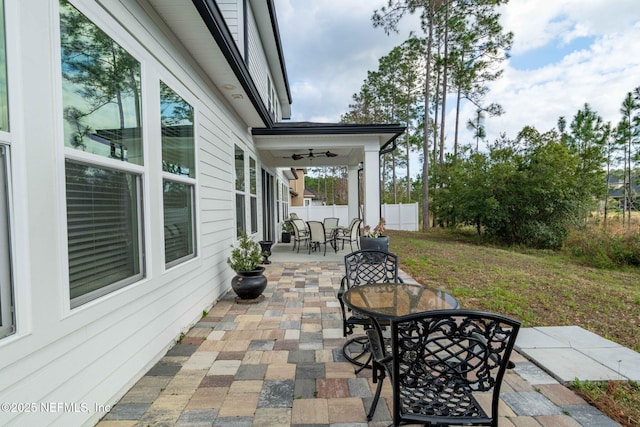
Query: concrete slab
point(577, 337)
point(622, 360)
point(567, 364)
point(535, 338)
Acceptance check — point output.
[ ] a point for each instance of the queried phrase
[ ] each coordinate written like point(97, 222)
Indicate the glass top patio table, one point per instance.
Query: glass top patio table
point(391, 300)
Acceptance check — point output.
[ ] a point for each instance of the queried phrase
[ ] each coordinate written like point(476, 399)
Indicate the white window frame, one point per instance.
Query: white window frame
point(193, 182)
point(8, 323)
point(103, 21)
point(253, 196)
point(243, 192)
point(7, 305)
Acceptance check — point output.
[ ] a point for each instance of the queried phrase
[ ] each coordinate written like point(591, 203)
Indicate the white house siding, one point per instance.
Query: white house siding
point(92, 354)
point(258, 67)
point(232, 13)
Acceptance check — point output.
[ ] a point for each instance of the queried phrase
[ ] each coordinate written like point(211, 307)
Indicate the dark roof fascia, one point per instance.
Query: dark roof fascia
point(304, 128)
point(301, 128)
point(213, 19)
point(276, 34)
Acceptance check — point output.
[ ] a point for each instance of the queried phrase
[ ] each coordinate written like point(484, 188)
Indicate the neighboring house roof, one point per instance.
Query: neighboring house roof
point(618, 193)
point(614, 180)
point(310, 194)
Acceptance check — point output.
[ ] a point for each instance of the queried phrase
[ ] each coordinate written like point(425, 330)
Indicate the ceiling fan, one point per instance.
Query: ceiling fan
point(311, 155)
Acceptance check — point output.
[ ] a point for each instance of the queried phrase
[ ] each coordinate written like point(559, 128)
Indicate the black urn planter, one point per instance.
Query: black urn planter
point(265, 245)
point(249, 285)
point(375, 243)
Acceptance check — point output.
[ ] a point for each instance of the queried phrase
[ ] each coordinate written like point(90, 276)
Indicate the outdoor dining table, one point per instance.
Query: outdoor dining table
point(387, 301)
point(383, 302)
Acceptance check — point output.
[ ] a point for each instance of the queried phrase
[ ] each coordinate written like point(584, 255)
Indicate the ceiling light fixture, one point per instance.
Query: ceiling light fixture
point(311, 155)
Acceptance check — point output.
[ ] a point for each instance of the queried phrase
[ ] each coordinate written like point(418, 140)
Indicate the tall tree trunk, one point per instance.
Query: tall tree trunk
point(425, 148)
point(629, 176)
point(394, 178)
point(606, 197)
point(407, 142)
point(445, 72)
point(455, 138)
point(436, 114)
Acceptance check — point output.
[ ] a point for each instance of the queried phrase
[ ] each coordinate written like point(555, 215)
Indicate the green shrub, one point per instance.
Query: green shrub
point(595, 247)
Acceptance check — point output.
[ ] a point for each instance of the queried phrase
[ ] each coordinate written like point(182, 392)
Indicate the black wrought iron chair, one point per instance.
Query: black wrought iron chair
point(363, 267)
point(440, 361)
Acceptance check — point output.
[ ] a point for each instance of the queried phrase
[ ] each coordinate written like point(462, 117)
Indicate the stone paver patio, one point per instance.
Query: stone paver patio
point(279, 363)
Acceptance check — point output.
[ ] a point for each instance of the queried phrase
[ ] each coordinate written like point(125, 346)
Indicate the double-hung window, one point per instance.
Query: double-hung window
point(240, 190)
point(253, 196)
point(7, 318)
point(104, 159)
point(178, 183)
point(285, 200)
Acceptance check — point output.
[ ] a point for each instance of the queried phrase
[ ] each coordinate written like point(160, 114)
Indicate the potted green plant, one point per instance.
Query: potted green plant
point(250, 281)
point(372, 238)
point(287, 229)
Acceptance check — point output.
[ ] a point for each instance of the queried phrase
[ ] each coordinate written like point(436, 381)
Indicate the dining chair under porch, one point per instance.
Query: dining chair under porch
point(300, 233)
point(317, 236)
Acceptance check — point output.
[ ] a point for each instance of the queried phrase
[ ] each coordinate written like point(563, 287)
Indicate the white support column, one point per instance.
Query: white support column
point(352, 189)
point(371, 184)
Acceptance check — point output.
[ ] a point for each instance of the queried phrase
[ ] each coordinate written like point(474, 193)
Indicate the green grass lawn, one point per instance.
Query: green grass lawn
point(539, 288)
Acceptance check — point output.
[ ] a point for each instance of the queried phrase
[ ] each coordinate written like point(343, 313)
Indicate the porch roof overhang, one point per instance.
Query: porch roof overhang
point(276, 145)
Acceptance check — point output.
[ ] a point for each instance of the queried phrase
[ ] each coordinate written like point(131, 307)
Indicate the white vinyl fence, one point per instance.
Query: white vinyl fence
point(398, 216)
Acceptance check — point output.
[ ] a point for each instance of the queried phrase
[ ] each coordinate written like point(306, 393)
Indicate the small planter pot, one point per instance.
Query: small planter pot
point(249, 285)
point(265, 245)
point(286, 237)
point(375, 243)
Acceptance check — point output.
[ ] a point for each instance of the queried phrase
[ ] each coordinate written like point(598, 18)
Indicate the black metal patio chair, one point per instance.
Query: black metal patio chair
point(363, 267)
point(440, 361)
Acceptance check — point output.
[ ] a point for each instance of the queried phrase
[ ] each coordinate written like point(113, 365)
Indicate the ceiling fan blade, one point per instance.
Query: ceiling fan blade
point(330, 154)
point(297, 156)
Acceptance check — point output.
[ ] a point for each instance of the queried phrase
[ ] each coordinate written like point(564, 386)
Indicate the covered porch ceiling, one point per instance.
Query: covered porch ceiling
point(311, 141)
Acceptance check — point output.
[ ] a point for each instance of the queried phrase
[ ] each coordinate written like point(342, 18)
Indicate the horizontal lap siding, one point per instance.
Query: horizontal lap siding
point(258, 67)
point(231, 12)
point(96, 352)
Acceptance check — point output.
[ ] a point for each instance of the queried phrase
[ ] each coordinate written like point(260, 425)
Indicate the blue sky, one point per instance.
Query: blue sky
point(566, 53)
point(548, 54)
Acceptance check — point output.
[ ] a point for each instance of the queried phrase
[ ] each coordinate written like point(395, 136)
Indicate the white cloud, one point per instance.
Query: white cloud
point(331, 44)
point(536, 24)
point(599, 76)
